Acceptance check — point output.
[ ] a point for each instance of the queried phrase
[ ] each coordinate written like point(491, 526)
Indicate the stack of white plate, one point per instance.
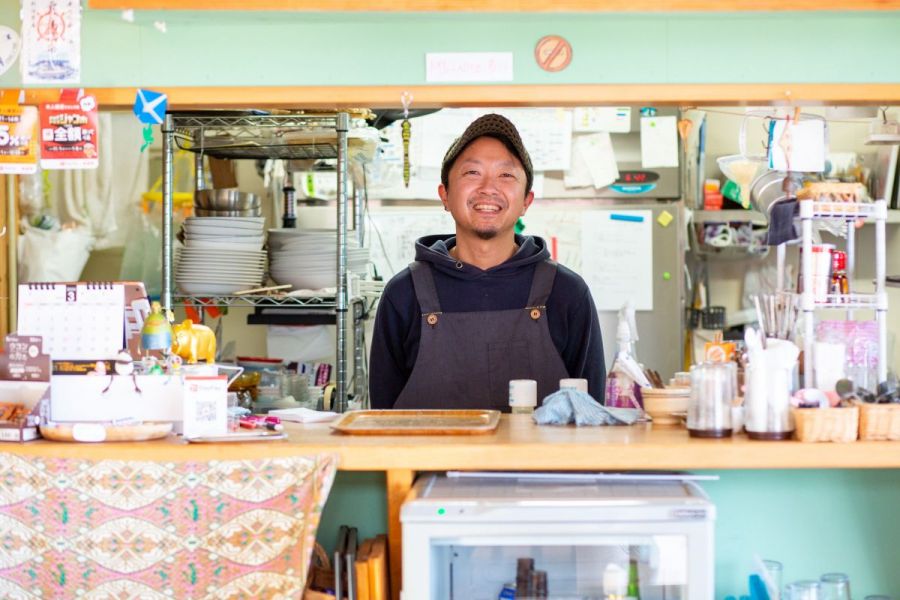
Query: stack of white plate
point(307, 258)
point(222, 255)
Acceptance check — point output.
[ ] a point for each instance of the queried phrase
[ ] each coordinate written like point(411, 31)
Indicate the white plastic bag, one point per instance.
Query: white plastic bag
point(142, 260)
point(53, 255)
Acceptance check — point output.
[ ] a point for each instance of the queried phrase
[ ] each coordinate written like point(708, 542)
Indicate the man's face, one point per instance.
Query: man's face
point(485, 190)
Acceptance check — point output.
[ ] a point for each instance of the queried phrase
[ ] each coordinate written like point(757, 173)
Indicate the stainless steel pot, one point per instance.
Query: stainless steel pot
point(765, 191)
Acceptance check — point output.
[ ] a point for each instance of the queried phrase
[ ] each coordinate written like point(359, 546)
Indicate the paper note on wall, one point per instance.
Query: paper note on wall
point(797, 145)
point(613, 119)
point(659, 142)
point(546, 134)
point(593, 162)
point(617, 257)
point(455, 67)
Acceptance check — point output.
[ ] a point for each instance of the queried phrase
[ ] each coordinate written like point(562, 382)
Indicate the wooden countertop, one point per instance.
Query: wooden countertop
point(516, 445)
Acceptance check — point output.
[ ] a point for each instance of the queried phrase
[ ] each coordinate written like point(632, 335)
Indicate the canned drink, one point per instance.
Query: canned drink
point(508, 592)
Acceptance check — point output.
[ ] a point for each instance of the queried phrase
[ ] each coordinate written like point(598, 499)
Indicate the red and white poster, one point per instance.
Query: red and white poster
point(18, 139)
point(69, 137)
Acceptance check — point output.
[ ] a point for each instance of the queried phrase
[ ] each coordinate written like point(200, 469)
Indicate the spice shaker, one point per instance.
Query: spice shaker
point(713, 389)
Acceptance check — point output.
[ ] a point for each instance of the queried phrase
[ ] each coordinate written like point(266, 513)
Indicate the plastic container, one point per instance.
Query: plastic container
point(767, 407)
point(522, 396)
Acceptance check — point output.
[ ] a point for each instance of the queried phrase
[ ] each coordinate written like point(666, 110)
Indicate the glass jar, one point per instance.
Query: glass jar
point(767, 402)
point(713, 389)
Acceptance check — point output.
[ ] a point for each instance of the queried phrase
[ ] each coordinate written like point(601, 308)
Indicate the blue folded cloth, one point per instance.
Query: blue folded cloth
point(572, 406)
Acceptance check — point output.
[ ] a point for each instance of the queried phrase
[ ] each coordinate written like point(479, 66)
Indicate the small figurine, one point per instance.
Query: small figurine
point(156, 334)
point(124, 366)
point(152, 366)
point(173, 364)
point(194, 342)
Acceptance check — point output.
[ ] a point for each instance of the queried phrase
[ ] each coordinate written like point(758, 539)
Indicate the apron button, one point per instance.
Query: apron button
point(535, 313)
point(431, 320)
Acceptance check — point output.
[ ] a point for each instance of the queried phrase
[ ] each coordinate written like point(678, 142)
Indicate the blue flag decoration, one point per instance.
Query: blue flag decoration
point(150, 108)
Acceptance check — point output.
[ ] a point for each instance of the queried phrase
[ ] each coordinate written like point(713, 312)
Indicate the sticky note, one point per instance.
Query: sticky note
point(664, 218)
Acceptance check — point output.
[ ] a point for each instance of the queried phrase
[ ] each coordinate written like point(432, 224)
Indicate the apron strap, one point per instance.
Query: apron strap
point(542, 283)
point(423, 282)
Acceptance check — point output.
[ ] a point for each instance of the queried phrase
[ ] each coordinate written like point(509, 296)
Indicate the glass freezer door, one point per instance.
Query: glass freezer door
point(653, 567)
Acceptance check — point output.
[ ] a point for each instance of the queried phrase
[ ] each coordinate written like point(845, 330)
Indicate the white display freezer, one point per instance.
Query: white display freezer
point(594, 536)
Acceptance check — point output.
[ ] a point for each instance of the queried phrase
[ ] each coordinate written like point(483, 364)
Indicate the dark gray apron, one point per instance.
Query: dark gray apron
point(466, 359)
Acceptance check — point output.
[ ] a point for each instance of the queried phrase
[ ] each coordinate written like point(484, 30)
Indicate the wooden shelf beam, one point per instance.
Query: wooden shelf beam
point(654, 6)
point(112, 98)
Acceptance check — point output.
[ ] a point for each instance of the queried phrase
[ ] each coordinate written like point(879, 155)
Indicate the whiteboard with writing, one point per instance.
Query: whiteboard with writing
point(617, 257)
point(392, 235)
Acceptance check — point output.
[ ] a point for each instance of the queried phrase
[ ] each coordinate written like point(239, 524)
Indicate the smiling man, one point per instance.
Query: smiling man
point(484, 306)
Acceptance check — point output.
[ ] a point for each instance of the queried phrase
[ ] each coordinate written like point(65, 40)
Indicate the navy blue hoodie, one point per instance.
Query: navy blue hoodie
point(571, 315)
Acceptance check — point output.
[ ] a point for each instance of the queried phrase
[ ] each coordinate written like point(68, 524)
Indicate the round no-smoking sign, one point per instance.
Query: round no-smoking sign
point(553, 53)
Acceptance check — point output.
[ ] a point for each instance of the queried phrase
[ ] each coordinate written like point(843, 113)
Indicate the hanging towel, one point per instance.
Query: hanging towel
point(781, 222)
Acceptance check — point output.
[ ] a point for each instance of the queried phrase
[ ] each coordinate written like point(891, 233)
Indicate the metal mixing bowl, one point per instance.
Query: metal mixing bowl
point(225, 199)
point(250, 212)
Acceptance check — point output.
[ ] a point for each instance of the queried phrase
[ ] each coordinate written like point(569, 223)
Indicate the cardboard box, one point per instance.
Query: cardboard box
point(28, 394)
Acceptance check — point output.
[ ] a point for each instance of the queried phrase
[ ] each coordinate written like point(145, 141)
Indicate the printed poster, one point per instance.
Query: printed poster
point(69, 138)
point(18, 139)
point(51, 41)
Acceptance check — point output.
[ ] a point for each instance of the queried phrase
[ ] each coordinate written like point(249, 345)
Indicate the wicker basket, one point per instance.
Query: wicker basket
point(879, 421)
point(826, 424)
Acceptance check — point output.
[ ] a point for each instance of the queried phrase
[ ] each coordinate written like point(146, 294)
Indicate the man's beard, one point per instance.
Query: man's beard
point(486, 234)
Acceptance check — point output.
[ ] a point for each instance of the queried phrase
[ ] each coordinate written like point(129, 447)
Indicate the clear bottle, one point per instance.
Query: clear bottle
point(622, 389)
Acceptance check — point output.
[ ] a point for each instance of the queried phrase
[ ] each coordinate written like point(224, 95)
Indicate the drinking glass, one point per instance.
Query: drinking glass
point(803, 590)
point(835, 586)
point(775, 572)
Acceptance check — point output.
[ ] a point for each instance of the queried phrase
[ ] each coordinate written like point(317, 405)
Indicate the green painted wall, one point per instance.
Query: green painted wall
point(814, 521)
point(285, 48)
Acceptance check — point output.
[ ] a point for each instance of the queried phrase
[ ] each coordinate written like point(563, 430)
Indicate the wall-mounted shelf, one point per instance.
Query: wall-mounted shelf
point(757, 218)
point(729, 216)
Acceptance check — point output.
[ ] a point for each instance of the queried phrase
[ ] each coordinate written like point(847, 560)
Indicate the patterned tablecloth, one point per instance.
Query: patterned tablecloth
point(104, 529)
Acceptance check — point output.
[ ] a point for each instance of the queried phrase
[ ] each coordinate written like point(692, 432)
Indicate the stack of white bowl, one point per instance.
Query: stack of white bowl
point(221, 255)
point(307, 258)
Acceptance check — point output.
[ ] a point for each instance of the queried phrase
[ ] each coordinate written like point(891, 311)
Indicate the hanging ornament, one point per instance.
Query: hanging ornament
point(150, 109)
point(406, 134)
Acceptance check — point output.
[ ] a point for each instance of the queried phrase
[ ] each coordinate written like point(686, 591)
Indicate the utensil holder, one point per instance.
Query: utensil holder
point(879, 421)
point(826, 424)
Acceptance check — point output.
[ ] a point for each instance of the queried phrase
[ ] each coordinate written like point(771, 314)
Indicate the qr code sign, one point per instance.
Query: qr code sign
point(205, 411)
